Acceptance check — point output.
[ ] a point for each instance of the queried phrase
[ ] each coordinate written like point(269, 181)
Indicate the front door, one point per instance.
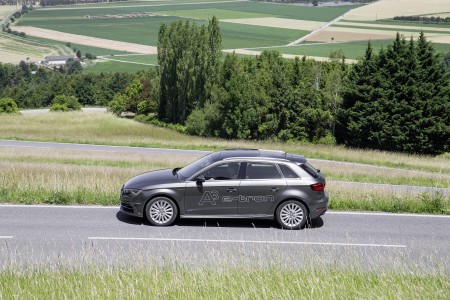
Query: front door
point(214, 192)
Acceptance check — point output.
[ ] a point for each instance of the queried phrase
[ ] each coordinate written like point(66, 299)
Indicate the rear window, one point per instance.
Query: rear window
point(310, 169)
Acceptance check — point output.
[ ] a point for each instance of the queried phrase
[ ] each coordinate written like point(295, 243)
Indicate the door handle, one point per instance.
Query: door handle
point(231, 190)
point(274, 189)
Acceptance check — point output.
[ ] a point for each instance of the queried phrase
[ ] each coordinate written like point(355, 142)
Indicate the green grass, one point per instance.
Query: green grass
point(115, 66)
point(352, 50)
point(109, 130)
point(225, 283)
point(426, 30)
point(396, 23)
point(145, 30)
point(141, 58)
point(207, 14)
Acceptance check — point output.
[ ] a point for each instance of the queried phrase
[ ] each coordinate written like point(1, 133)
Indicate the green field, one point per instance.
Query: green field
point(351, 50)
point(424, 29)
point(145, 30)
point(396, 23)
point(113, 66)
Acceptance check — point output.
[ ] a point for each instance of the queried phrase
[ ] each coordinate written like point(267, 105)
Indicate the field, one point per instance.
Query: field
point(244, 25)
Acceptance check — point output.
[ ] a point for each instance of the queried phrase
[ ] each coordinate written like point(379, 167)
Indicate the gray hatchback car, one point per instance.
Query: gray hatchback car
point(233, 183)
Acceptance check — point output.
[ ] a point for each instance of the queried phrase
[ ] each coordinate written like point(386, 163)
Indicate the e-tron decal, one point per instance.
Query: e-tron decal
point(210, 197)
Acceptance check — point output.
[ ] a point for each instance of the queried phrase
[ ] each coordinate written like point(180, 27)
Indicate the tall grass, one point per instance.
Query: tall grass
point(209, 283)
point(106, 129)
point(92, 177)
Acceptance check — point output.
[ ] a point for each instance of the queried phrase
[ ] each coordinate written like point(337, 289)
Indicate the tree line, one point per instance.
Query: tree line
point(396, 100)
point(423, 19)
point(33, 87)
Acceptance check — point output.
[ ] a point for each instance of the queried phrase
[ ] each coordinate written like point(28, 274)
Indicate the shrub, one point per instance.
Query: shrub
point(8, 105)
point(65, 103)
point(117, 104)
point(59, 107)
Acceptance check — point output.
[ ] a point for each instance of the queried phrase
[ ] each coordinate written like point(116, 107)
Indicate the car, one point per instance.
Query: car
point(228, 184)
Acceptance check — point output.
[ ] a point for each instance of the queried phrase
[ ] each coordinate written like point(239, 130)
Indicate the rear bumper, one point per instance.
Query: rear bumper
point(318, 208)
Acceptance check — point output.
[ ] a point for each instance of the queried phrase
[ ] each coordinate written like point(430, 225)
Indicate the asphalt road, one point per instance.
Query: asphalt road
point(80, 235)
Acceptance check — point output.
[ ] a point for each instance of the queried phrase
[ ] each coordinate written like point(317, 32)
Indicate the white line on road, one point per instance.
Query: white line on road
point(245, 242)
point(6, 236)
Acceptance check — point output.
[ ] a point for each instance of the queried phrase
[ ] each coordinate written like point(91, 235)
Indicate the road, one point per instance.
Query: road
point(165, 151)
point(78, 235)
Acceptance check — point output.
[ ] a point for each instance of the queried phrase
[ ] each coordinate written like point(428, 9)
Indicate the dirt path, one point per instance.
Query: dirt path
point(86, 40)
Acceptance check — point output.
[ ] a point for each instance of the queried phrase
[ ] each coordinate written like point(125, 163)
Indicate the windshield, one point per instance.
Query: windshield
point(196, 166)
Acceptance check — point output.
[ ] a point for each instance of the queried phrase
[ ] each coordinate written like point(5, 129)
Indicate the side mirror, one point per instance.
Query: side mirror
point(200, 179)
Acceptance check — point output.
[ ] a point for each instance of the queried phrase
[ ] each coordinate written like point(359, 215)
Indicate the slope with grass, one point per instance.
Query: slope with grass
point(94, 178)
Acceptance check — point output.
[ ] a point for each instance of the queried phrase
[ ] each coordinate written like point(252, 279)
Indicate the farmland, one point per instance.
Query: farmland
point(244, 25)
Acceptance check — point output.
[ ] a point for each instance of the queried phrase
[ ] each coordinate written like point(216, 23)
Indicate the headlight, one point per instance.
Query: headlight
point(130, 192)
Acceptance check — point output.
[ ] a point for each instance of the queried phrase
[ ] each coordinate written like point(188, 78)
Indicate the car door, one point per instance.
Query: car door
point(260, 188)
point(214, 191)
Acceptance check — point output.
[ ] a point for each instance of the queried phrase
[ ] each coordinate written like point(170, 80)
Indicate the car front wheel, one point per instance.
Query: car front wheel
point(291, 215)
point(161, 211)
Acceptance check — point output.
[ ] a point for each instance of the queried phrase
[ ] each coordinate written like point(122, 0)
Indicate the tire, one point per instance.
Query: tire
point(161, 211)
point(291, 214)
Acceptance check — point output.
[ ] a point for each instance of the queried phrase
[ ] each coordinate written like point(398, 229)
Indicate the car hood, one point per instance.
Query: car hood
point(151, 178)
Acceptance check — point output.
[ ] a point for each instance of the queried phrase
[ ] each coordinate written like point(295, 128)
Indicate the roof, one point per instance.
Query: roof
point(57, 58)
point(231, 153)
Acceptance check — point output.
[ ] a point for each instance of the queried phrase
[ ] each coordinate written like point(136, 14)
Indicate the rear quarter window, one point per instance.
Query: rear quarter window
point(310, 169)
point(288, 172)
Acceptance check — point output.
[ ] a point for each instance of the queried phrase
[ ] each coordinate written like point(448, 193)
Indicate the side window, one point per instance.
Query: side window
point(287, 172)
point(225, 171)
point(262, 171)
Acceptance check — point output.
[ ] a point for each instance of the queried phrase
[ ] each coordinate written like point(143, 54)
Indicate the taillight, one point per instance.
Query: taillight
point(318, 186)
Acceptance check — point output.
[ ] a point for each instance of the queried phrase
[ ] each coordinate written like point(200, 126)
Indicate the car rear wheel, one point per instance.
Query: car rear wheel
point(161, 211)
point(291, 215)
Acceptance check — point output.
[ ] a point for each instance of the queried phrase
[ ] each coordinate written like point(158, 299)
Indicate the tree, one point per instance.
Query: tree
point(398, 100)
point(189, 57)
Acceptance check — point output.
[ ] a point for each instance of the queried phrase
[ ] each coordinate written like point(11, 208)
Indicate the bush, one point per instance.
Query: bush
point(117, 104)
point(59, 107)
point(8, 105)
point(65, 103)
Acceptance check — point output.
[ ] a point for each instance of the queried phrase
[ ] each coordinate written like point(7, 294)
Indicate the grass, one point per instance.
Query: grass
point(426, 30)
point(89, 177)
point(115, 66)
point(207, 14)
point(227, 283)
point(22, 48)
point(351, 50)
point(106, 129)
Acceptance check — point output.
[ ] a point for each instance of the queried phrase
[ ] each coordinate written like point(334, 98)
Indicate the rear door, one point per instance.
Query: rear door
point(260, 188)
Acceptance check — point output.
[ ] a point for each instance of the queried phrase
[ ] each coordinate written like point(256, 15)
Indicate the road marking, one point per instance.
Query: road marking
point(6, 236)
point(245, 242)
point(381, 214)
